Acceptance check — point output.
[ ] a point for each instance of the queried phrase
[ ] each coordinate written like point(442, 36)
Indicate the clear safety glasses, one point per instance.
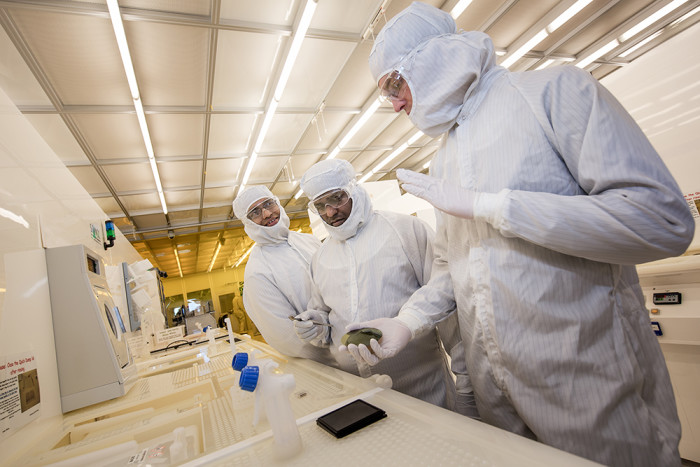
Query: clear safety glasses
point(391, 88)
point(256, 212)
point(334, 199)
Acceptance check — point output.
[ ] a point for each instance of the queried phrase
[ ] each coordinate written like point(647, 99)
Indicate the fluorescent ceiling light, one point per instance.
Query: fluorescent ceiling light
point(177, 258)
point(426, 165)
point(598, 53)
point(640, 44)
point(248, 169)
point(334, 153)
point(299, 193)
point(298, 38)
point(545, 64)
point(266, 124)
point(685, 16)
point(391, 156)
point(299, 35)
point(649, 20)
point(459, 8)
point(360, 122)
point(526, 47)
point(245, 255)
point(567, 15)
point(216, 253)
point(118, 27)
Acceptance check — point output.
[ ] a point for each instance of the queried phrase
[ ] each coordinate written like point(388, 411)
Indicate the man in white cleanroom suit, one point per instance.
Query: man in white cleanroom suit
point(549, 195)
point(277, 279)
point(368, 267)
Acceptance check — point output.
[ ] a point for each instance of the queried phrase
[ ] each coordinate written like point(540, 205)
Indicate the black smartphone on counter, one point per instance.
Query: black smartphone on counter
point(350, 418)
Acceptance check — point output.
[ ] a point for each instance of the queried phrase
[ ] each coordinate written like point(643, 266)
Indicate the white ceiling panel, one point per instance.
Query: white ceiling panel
point(60, 44)
point(16, 80)
point(184, 217)
point(170, 63)
point(325, 128)
point(222, 172)
point(54, 131)
point(230, 134)
point(110, 207)
point(218, 196)
point(318, 65)
point(174, 6)
point(266, 169)
point(176, 135)
point(140, 203)
point(242, 83)
point(89, 179)
point(344, 16)
point(279, 12)
point(149, 221)
point(206, 70)
point(112, 136)
point(374, 126)
point(180, 174)
point(285, 132)
point(354, 84)
point(130, 177)
point(183, 199)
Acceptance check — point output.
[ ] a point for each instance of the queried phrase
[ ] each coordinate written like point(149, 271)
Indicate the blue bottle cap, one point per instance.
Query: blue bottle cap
point(249, 378)
point(240, 360)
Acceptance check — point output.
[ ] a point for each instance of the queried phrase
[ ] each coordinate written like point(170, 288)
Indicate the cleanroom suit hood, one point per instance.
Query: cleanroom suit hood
point(557, 337)
point(277, 282)
point(440, 66)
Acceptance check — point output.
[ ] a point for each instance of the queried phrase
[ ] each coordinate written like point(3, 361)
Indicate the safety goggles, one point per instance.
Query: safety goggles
point(255, 213)
point(391, 88)
point(334, 199)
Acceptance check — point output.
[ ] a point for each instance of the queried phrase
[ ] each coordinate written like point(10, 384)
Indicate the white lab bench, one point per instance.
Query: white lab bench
point(196, 388)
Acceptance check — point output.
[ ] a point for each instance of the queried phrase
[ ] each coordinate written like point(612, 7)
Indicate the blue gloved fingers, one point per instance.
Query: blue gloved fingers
point(367, 355)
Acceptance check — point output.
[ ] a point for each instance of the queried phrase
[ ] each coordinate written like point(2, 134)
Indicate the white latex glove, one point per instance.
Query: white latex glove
point(308, 331)
point(395, 336)
point(445, 196)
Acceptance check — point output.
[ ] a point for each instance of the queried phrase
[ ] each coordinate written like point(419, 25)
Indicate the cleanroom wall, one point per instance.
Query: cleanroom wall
point(41, 205)
point(661, 90)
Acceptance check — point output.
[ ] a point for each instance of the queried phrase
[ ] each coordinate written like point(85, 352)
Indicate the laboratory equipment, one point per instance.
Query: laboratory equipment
point(272, 391)
point(93, 360)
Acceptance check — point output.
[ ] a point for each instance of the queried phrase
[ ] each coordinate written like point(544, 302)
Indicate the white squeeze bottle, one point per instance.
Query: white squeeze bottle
point(272, 391)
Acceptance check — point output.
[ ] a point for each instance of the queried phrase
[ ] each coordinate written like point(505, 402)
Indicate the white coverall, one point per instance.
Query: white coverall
point(278, 284)
point(558, 341)
point(369, 272)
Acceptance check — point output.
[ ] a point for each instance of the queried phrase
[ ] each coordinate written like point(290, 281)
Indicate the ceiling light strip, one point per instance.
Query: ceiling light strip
point(567, 15)
point(391, 156)
point(118, 27)
point(649, 20)
point(177, 258)
point(216, 253)
point(348, 136)
point(583, 63)
point(245, 255)
point(459, 8)
point(640, 44)
point(294, 49)
point(541, 35)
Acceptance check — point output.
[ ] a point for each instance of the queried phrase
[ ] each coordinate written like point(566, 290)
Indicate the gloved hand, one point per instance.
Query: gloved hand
point(445, 196)
point(308, 331)
point(395, 336)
